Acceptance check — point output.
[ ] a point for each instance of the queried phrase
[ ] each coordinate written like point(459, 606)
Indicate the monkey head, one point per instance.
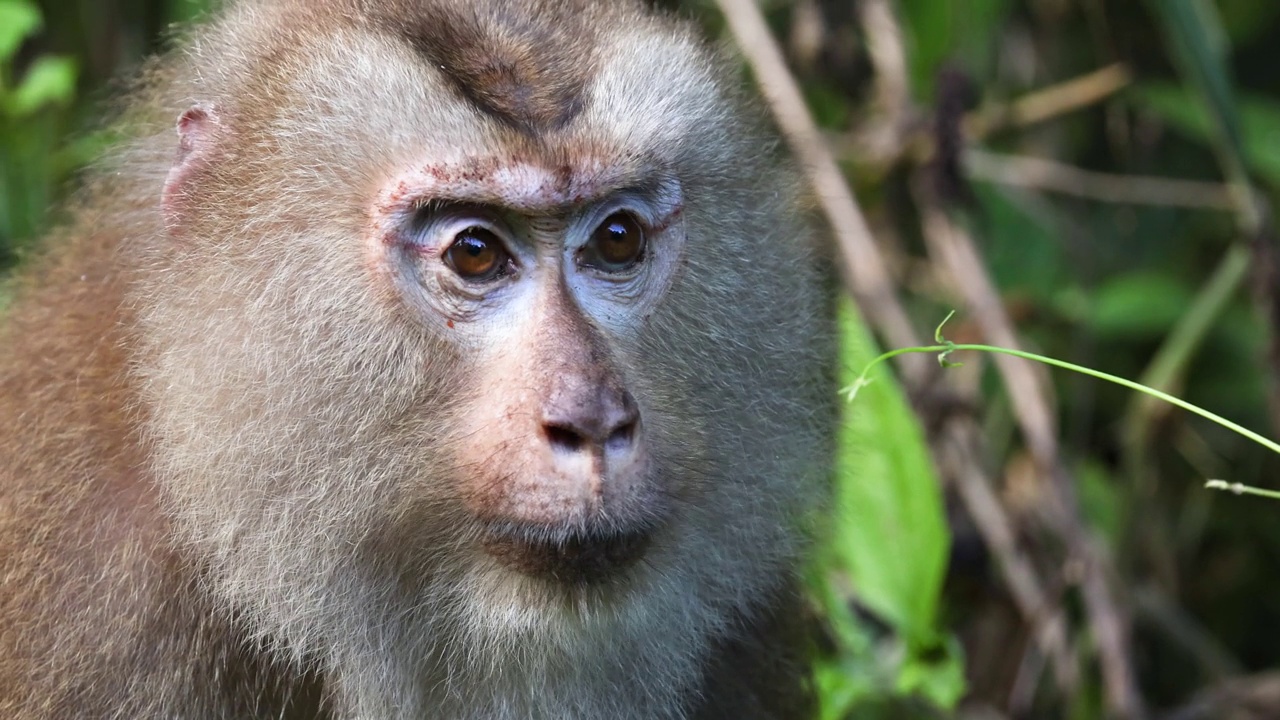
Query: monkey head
point(464, 331)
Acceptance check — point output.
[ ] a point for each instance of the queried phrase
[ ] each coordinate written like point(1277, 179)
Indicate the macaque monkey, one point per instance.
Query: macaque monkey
point(451, 359)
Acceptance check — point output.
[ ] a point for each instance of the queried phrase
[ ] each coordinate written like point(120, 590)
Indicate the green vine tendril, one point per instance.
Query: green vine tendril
point(945, 348)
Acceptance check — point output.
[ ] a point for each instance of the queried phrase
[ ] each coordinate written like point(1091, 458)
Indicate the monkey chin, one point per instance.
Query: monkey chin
point(528, 577)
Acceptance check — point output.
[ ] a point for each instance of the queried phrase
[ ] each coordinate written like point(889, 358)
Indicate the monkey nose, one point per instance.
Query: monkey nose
point(604, 422)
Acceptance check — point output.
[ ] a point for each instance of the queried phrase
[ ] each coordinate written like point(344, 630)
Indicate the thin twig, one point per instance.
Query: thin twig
point(886, 49)
point(1052, 176)
point(955, 454)
point(866, 273)
point(1050, 102)
point(1254, 696)
point(1029, 393)
point(890, 109)
point(1185, 631)
point(958, 448)
point(868, 276)
point(866, 143)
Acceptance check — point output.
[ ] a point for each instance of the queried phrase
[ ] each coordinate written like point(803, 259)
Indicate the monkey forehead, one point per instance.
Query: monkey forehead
point(359, 107)
point(523, 185)
point(658, 90)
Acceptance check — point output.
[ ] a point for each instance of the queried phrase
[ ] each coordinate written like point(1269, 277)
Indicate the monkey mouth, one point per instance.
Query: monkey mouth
point(578, 556)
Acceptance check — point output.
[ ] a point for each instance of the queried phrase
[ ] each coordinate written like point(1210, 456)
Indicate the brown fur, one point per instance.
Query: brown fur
point(232, 477)
point(528, 66)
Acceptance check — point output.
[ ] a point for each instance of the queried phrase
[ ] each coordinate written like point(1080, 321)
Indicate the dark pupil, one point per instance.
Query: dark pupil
point(474, 246)
point(473, 254)
point(621, 242)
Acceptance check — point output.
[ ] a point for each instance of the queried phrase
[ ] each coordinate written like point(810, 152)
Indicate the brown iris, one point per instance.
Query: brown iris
point(616, 244)
point(477, 255)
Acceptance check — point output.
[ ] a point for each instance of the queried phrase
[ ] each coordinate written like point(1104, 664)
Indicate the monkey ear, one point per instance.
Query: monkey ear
point(196, 126)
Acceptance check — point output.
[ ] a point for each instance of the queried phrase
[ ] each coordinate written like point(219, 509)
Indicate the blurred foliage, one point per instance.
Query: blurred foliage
point(1258, 115)
point(889, 540)
point(46, 85)
point(916, 620)
point(51, 53)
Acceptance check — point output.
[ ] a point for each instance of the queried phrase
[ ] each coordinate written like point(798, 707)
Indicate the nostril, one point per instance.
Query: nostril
point(563, 438)
point(621, 437)
point(607, 422)
point(569, 440)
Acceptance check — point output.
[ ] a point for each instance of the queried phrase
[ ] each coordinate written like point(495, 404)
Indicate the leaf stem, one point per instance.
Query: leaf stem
point(1241, 489)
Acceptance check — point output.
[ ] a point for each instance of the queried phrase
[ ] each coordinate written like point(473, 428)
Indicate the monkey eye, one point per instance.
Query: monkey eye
point(477, 255)
point(616, 245)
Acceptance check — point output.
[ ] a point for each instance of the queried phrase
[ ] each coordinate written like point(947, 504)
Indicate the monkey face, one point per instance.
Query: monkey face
point(538, 275)
point(393, 332)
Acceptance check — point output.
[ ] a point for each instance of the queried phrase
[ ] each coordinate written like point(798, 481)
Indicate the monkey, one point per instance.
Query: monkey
point(419, 359)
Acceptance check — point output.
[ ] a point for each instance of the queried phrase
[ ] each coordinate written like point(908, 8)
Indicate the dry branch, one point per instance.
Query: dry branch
point(1029, 395)
point(1052, 176)
point(868, 276)
point(957, 449)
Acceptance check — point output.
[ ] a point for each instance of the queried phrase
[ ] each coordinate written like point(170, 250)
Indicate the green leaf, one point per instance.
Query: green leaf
point(183, 11)
point(1139, 305)
point(1199, 44)
point(18, 20)
point(890, 534)
point(1247, 20)
point(841, 687)
point(888, 549)
point(941, 31)
point(1021, 241)
point(1194, 31)
point(1100, 501)
point(927, 26)
point(1259, 118)
point(50, 80)
point(936, 676)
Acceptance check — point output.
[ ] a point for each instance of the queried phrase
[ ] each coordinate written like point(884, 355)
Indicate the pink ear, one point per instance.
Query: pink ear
point(196, 130)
